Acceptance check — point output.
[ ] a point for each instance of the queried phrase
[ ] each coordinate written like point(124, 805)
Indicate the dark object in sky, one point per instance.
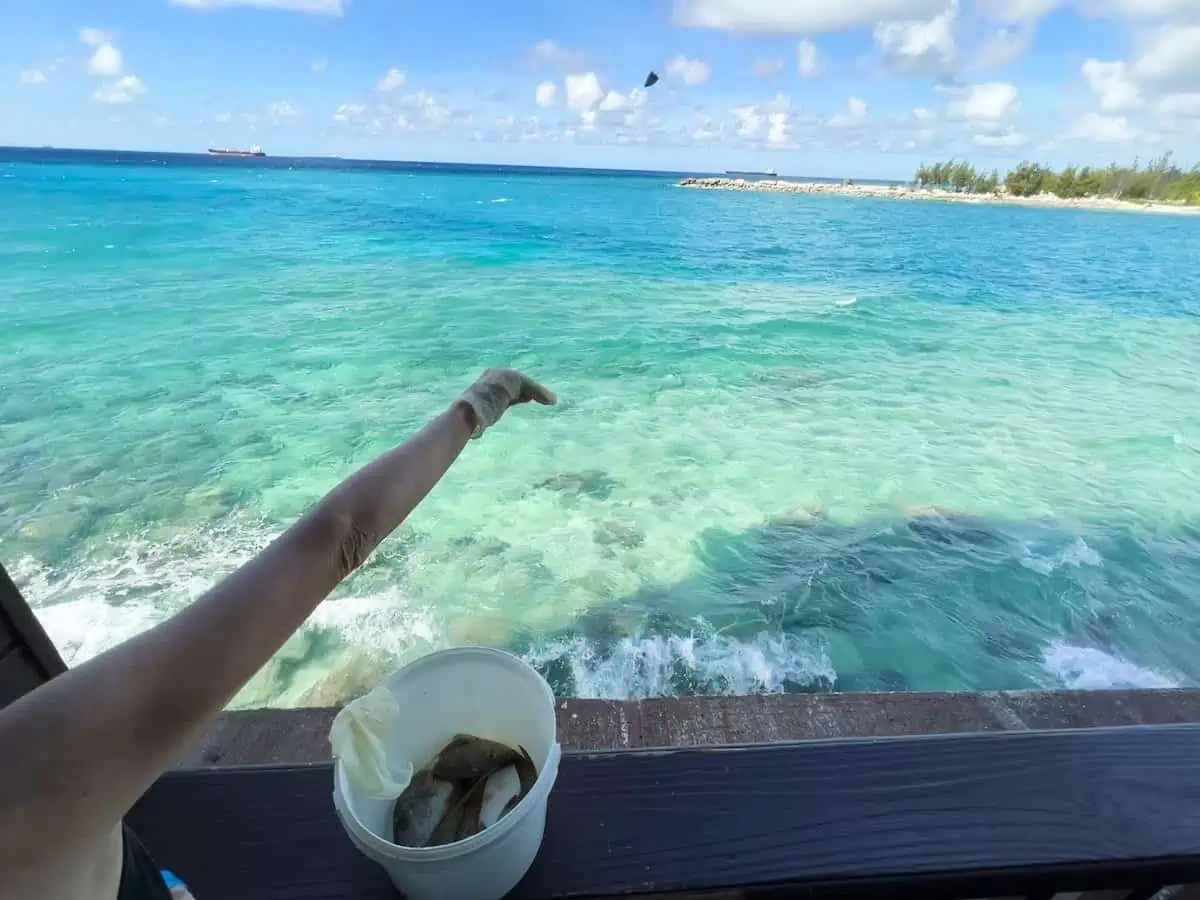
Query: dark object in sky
point(651, 80)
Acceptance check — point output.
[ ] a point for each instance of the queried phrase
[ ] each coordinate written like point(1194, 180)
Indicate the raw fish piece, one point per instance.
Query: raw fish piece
point(500, 789)
point(467, 757)
point(447, 830)
point(420, 808)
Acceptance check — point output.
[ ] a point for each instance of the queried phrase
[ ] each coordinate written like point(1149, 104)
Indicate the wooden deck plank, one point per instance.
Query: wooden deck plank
point(998, 812)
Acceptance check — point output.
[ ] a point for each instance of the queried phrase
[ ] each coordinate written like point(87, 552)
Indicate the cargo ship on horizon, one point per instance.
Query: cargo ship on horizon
point(770, 173)
point(252, 150)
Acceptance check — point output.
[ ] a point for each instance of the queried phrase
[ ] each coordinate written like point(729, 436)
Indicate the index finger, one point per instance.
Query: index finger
point(531, 390)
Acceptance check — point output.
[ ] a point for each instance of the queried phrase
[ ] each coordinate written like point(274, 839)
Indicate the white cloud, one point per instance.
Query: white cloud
point(919, 46)
point(854, 114)
point(615, 102)
point(1147, 9)
point(106, 61)
point(552, 53)
point(1102, 129)
point(1001, 47)
point(799, 16)
point(779, 129)
point(690, 71)
point(757, 121)
point(1170, 57)
point(1112, 84)
point(546, 94)
point(32, 76)
point(393, 79)
point(807, 63)
point(319, 66)
point(1015, 12)
point(923, 114)
point(583, 92)
point(283, 111)
point(94, 37)
point(350, 112)
point(120, 91)
point(1185, 106)
point(1008, 138)
point(321, 7)
point(990, 102)
point(767, 67)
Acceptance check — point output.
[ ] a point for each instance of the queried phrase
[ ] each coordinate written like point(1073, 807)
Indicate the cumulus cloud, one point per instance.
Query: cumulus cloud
point(767, 67)
point(120, 91)
point(855, 113)
point(320, 7)
point(106, 61)
point(1113, 85)
point(919, 45)
point(392, 80)
point(1102, 129)
point(546, 94)
point(690, 71)
point(990, 102)
point(1145, 9)
point(1170, 57)
point(807, 63)
point(32, 76)
point(583, 92)
point(767, 122)
point(799, 16)
point(1015, 12)
point(1184, 106)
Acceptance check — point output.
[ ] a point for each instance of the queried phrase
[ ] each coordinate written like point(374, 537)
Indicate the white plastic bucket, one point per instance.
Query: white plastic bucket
point(472, 690)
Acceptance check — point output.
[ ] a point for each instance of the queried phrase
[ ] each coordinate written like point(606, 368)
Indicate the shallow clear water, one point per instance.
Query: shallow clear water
point(806, 443)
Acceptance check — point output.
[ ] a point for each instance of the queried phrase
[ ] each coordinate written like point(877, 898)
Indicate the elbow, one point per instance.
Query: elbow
point(346, 542)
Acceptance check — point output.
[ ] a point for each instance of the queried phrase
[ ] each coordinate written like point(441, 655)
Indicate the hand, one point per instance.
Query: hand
point(497, 390)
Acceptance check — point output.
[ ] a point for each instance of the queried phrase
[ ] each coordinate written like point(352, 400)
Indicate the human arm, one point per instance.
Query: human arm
point(80, 750)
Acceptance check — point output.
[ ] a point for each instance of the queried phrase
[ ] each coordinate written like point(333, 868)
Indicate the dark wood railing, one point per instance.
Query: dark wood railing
point(27, 655)
point(1036, 814)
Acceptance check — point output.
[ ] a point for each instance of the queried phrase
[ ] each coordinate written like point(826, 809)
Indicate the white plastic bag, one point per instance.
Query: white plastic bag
point(357, 737)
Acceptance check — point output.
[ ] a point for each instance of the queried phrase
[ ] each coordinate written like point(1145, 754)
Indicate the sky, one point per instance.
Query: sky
point(835, 88)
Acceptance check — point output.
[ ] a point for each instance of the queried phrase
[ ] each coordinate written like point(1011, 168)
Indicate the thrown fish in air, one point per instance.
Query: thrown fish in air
point(651, 80)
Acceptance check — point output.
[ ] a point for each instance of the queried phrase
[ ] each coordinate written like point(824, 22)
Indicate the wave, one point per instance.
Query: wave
point(1087, 668)
point(1076, 555)
point(669, 665)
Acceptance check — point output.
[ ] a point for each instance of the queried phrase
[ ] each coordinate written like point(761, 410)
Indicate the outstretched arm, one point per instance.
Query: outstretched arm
point(80, 750)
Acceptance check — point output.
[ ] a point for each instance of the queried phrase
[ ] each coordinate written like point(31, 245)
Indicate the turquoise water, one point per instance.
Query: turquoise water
point(806, 443)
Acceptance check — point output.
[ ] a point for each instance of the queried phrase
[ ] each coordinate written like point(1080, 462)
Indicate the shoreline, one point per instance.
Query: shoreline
point(909, 192)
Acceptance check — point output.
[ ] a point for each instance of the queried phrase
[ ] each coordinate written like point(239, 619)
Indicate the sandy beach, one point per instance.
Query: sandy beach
point(911, 192)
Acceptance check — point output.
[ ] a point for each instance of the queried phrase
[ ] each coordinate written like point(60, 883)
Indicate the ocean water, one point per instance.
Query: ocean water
point(805, 443)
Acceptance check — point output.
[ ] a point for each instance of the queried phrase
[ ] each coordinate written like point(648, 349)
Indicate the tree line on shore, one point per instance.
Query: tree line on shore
point(1160, 180)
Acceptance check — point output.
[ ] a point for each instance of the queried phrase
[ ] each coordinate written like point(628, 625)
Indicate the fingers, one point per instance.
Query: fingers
point(531, 390)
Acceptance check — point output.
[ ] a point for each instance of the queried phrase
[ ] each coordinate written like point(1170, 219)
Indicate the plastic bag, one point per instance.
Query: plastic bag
point(357, 737)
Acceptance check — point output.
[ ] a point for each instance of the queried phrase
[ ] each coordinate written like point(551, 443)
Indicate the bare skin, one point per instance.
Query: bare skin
point(79, 751)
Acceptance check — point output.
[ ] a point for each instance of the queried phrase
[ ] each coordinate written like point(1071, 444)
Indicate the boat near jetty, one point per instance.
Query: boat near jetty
point(769, 173)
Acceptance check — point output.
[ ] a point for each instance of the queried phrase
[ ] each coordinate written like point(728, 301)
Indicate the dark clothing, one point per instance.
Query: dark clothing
point(140, 875)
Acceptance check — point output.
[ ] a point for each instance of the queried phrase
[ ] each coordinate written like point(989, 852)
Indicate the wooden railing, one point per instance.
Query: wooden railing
point(1110, 813)
point(27, 656)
